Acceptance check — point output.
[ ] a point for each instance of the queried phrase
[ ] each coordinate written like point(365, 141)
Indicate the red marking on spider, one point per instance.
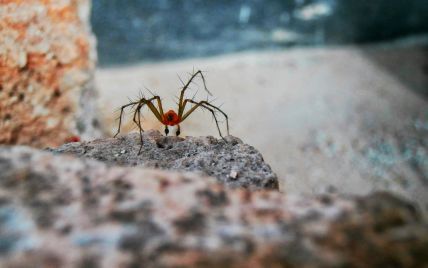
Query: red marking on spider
point(172, 118)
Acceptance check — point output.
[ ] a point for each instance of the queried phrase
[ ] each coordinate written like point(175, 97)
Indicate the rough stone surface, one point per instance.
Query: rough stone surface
point(231, 161)
point(47, 60)
point(60, 211)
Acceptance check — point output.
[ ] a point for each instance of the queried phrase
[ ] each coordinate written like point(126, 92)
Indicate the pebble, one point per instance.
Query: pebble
point(233, 174)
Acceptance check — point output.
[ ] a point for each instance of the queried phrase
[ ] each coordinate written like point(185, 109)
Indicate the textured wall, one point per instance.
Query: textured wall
point(47, 59)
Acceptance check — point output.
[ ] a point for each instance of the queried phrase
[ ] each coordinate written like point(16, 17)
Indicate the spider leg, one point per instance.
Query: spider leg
point(143, 101)
point(209, 107)
point(141, 130)
point(152, 107)
point(181, 101)
point(158, 99)
point(135, 115)
point(137, 119)
point(121, 113)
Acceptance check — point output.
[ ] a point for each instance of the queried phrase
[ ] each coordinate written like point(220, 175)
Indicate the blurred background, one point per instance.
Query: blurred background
point(334, 93)
point(162, 30)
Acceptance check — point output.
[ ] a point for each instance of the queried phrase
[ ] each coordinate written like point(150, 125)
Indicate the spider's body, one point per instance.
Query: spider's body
point(172, 118)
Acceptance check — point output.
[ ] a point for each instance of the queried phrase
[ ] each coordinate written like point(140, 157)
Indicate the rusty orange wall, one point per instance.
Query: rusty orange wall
point(46, 60)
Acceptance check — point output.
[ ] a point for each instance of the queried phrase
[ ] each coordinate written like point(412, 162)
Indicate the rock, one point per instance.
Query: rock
point(208, 155)
point(47, 61)
point(61, 211)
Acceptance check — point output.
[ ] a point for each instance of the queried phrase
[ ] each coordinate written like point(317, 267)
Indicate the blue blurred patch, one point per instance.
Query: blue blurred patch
point(151, 30)
point(16, 231)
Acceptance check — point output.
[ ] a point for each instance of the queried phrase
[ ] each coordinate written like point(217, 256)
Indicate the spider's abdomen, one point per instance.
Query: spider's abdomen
point(170, 118)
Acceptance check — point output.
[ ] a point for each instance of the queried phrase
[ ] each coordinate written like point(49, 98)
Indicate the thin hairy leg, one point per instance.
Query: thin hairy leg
point(177, 133)
point(152, 107)
point(121, 113)
point(141, 130)
point(209, 107)
point(141, 103)
point(137, 115)
point(134, 119)
point(159, 104)
point(158, 99)
point(181, 101)
point(203, 103)
point(137, 120)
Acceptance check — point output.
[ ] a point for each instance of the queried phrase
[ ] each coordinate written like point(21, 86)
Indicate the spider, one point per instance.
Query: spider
point(172, 118)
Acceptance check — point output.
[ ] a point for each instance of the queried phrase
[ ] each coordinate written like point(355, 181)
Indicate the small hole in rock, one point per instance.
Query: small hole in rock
point(160, 145)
